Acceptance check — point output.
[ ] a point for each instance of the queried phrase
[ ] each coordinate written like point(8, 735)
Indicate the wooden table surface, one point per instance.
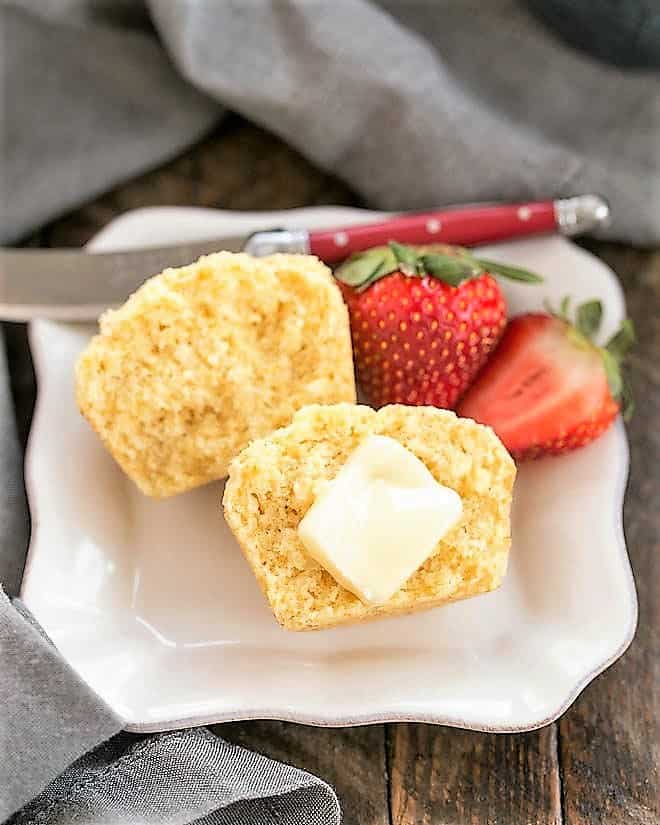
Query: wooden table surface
point(599, 762)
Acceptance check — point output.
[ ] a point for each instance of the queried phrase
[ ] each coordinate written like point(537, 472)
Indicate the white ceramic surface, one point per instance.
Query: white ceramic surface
point(153, 604)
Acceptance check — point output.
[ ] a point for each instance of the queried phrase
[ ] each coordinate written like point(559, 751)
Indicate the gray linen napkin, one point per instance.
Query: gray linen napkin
point(415, 103)
point(50, 719)
point(177, 778)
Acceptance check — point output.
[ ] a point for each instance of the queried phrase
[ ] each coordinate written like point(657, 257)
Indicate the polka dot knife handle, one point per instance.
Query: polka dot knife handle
point(467, 225)
point(88, 284)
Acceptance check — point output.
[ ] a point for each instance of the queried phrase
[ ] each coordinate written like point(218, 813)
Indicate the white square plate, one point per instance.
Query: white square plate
point(153, 604)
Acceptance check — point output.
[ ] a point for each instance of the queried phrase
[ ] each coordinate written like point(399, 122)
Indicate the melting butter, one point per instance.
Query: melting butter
point(379, 520)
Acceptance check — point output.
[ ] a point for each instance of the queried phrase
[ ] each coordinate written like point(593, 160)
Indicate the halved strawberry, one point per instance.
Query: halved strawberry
point(423, 320)
point(548, 388)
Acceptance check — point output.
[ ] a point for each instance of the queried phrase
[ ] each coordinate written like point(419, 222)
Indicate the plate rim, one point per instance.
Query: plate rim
point(326, 720)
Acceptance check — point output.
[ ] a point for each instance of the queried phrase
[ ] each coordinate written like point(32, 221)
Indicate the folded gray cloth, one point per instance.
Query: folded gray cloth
point(50, 719)
point(188, 776)
point(48, 716)
point(414, 103)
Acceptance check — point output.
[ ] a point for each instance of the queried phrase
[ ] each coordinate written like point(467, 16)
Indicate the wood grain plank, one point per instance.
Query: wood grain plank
point(21, 375)
point(352, 760)
point(19, 360)
point(610, 738)
point(442, 776)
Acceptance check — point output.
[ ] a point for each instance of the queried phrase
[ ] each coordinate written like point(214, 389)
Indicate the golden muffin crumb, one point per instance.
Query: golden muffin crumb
point(204, 358)
point(275, 480)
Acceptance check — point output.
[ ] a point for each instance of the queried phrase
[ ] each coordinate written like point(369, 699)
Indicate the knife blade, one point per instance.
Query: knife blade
point(75, 285)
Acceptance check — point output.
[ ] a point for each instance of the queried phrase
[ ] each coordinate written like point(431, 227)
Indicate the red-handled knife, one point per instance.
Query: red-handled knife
point(71, 284)
point(466, 225)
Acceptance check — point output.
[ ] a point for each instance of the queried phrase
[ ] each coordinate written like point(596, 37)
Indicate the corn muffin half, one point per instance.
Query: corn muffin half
point(275, 480)
point(204, 358)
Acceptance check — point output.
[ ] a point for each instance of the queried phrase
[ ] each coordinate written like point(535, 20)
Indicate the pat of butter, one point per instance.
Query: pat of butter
point(379, 520)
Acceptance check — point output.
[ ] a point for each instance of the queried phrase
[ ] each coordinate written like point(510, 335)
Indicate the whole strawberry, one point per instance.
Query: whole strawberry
point(549, 388)
point(423, 320)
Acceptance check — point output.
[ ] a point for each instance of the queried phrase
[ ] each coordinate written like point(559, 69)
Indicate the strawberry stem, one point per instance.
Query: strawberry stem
point(364, 268)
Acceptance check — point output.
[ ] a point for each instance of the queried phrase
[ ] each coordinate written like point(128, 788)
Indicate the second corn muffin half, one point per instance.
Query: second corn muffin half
point(204, 358)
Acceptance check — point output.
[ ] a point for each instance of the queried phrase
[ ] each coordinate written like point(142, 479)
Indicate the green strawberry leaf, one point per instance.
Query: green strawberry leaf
point(613, 355)
point(405, 255)
point(588, 318)
point(363, 266)
point(357, 269)
point(627, 402)
point(386, 268)
point(448, 268)
point(620, 343)
point(513, 273)
point(613, 373)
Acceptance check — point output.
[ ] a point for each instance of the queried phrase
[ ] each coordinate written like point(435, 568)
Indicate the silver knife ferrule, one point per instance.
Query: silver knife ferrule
point(292, 241)
point(581, 214)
